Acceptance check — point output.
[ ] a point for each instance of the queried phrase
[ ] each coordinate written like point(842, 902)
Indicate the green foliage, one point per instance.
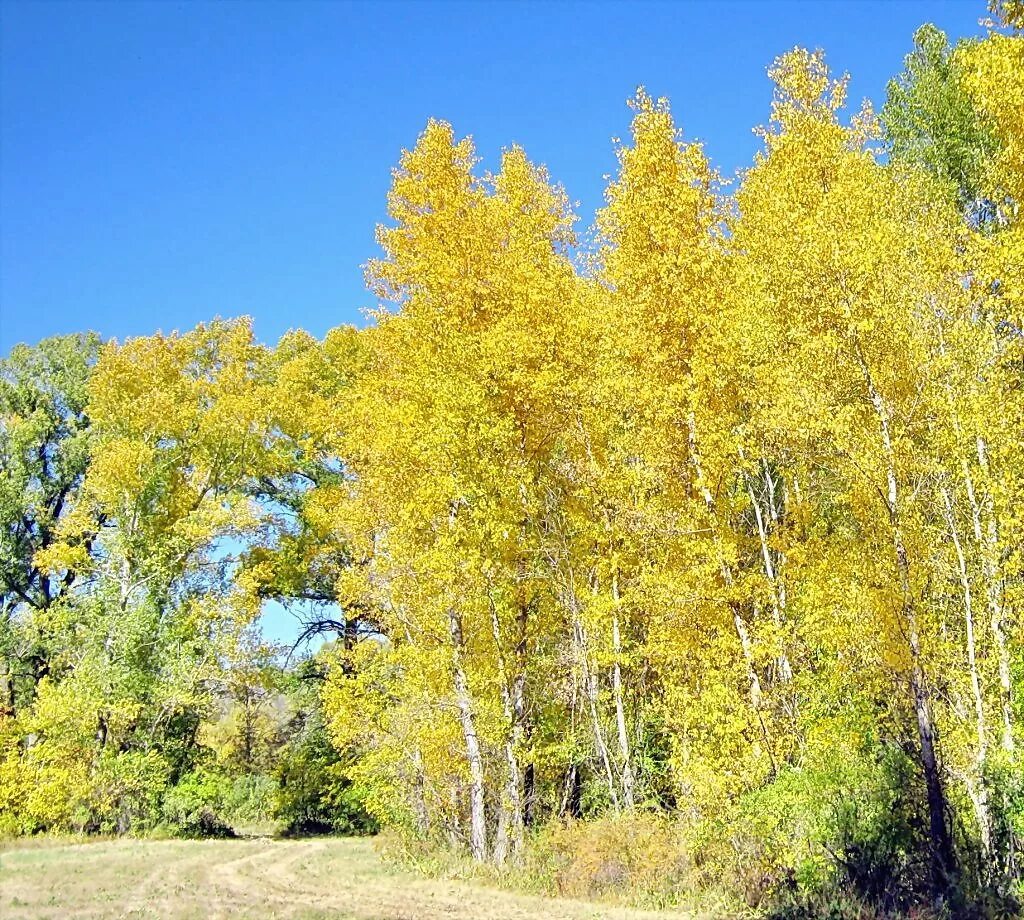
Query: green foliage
point(931, 122)
point(44, 449)
point(849, 824)
point(251, 799)
point(198, 804)
point(314, 794)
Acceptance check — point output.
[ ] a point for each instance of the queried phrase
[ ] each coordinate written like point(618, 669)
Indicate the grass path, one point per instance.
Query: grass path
point(342, 879)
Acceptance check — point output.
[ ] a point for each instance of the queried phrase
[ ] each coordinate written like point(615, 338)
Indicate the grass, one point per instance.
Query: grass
point(340, 878)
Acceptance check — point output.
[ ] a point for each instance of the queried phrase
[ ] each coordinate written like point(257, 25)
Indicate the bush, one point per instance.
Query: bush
point(314, 796)
point(636, 857)
point(125, 793)
point(251, 799)
point(198, 805)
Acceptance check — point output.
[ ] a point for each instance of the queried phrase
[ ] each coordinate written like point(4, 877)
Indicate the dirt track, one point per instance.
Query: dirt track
point(256, 878)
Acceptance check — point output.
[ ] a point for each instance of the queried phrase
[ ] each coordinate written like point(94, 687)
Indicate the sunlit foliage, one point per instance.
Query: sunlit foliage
point(708, 520)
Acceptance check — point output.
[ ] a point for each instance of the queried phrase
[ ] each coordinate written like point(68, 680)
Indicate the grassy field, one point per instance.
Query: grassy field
point(265, 878)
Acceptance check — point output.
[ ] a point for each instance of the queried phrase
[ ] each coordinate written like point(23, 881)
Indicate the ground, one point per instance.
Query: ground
point(336, 878)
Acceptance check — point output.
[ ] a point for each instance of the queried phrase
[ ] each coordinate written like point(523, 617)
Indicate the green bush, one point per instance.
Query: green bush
point(251, 799)
point(198, 805)
point(314, 796)
point(125, 793)
point(844, 820)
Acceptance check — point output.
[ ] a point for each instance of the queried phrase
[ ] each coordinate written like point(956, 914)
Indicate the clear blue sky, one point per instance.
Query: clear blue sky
point(163, 163)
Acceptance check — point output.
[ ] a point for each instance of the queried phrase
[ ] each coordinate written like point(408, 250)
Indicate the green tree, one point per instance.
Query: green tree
point(44, 450)
point(931, 121)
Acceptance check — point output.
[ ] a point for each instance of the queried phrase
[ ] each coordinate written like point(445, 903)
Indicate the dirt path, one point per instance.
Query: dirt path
point(342, 879)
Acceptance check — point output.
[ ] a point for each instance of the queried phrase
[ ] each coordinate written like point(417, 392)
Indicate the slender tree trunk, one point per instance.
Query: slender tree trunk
point(742, 632)
point(572, 789)
point(509, 830)
point(570, 799)
point(620, 711)
point(474, 759)
point(988, 541)
point(419, 798)
point(774, 580)
point(529, 795)
point(514, 778)
point(510, 812)
point(979, 796)
point(591, 690)
point(943, 862)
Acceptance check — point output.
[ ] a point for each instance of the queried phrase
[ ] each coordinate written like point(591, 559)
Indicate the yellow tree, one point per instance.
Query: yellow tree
point(448, 438)
point(679, 487)
point(994, 80)
point(852, 261)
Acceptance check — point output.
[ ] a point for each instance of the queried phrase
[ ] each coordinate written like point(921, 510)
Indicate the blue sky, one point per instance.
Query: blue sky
point(164, 163)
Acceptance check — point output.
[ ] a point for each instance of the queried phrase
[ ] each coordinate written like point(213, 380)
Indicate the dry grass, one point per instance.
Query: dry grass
point(179, 879)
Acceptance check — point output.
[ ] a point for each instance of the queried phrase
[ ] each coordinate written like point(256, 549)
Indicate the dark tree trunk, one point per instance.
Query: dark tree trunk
point(529, 795)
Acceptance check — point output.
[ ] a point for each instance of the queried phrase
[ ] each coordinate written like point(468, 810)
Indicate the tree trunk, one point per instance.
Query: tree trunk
point(979, 796)
point(774, 580)
point(572, 790)
point(943, 862)
point(590, 688)
point(590, 682)
point(474, 759)
point(989, 544)
point(510, 814)
point(514, 779)
point(727, 577)
point(620, 712)
point(529, 795)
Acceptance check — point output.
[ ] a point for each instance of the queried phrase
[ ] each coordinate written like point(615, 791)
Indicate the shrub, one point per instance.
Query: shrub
point(835, 837)
point(125, 793)
point(198, 805)
point(313, 795)
point(251, 799)
point(636, 857)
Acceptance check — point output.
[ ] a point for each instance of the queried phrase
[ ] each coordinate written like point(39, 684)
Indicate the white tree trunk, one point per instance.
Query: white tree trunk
point(988, 540)
point(620, 712)
point(474, 759)
point(942, 857)
point(979, 795)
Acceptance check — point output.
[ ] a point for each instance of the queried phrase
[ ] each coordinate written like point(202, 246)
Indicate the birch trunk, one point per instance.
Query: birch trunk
point(591, 690)
point(510, 828)
point(942, 858)
point(979, 796)
point(620, 711)
point(727, 577)
point(988, 540)
point(771, 573)
point(474, 759)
